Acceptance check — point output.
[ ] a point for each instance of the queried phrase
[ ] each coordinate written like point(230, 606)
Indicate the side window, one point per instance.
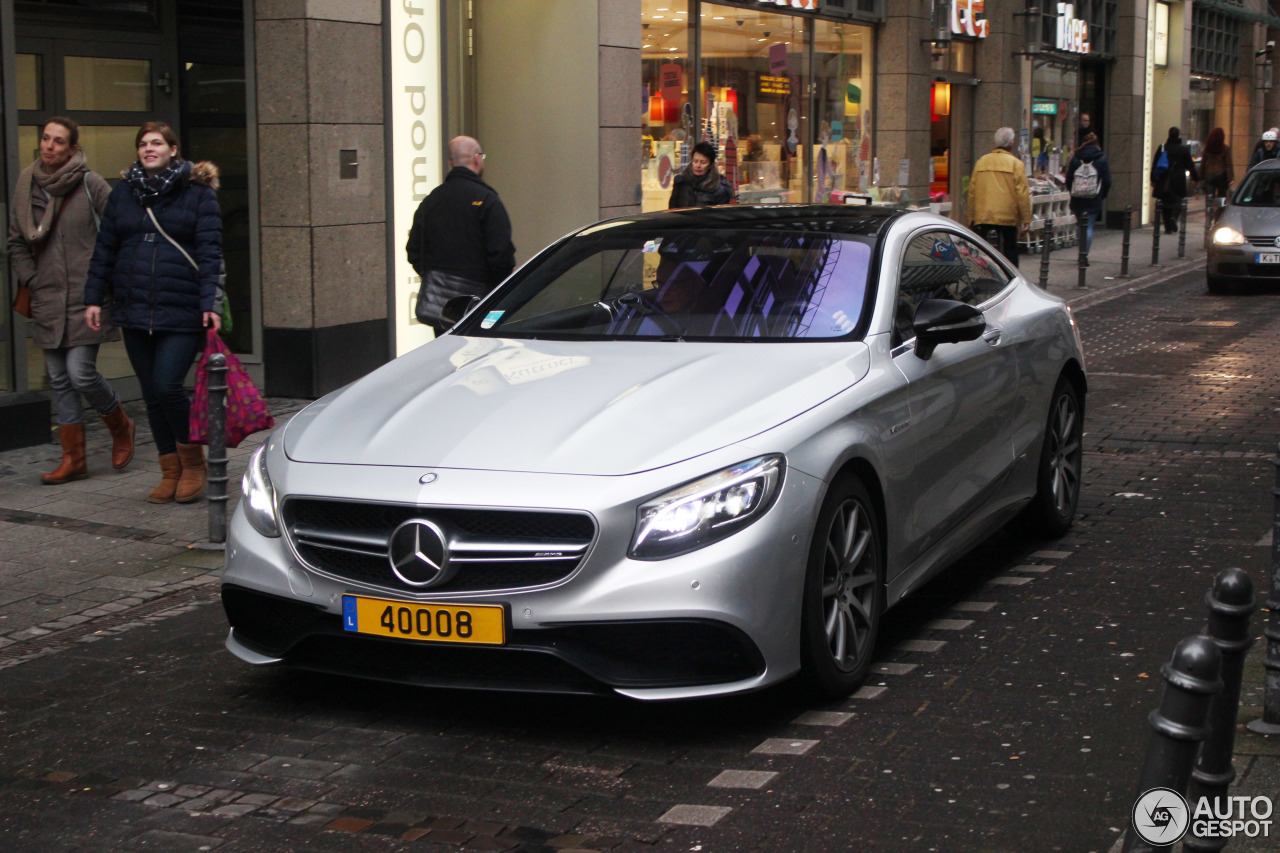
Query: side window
point(931, 269)
point(984, 276)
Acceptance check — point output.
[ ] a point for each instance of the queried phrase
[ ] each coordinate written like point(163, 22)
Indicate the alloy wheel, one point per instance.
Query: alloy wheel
point(850, 586)
point(1064, 454)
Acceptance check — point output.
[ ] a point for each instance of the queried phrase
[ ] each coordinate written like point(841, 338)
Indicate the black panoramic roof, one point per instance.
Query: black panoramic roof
point(859, 220)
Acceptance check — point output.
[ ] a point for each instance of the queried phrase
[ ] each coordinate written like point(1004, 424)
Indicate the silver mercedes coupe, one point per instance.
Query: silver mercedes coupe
point(675, 455)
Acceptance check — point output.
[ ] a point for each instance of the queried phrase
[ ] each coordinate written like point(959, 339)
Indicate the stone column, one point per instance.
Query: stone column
point(319, 72)
point(902, 109)
point(1126, 116)
point(619, 107)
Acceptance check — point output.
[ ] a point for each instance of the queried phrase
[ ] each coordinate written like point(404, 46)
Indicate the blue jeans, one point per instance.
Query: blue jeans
point(161, 361)
point(1089, 218)
point(74, 371)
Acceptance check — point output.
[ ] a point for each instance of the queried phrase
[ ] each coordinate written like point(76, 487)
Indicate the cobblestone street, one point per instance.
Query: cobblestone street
point(1007, 711)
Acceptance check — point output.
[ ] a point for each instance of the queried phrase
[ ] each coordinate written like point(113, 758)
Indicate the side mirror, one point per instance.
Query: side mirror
point(945, 321)
point(456, 308)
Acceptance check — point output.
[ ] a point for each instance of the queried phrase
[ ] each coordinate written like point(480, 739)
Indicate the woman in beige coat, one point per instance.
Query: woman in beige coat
point(53, 226)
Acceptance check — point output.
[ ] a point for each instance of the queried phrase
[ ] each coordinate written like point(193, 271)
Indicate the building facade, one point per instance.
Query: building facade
point(329, 118)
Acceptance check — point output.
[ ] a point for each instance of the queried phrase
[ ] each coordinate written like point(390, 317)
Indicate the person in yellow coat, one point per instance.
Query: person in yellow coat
point(999, 199)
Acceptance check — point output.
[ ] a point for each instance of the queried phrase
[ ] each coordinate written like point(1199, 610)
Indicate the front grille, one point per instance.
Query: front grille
point(493, 549)
point(1266, 242)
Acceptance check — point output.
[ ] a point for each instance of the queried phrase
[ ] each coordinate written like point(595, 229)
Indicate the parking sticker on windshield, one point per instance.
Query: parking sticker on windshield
point(491, 319)
point(652, 245)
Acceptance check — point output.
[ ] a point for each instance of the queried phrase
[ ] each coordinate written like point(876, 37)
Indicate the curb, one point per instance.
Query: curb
point(1129, 285)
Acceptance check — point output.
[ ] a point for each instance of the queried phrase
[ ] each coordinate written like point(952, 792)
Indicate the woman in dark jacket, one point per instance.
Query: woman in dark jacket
point(1171, 187)
point(1216, 169)
point(699, 184)
point(158, 257)
point(1087, 209)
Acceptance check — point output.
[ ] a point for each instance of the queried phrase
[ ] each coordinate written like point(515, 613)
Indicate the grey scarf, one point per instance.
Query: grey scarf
point(57, 184)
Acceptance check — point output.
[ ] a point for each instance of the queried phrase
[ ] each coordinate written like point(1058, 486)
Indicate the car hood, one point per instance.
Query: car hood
point(599, 407)
point(1252, 221)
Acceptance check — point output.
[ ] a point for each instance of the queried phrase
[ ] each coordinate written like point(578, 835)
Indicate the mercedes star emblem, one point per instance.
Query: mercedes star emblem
point(419, 553)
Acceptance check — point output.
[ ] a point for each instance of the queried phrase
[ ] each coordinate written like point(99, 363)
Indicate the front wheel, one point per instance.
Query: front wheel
point(1053, 508)
point(843, 592)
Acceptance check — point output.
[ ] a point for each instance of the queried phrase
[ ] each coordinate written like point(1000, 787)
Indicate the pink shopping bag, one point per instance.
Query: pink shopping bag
point(246, 410)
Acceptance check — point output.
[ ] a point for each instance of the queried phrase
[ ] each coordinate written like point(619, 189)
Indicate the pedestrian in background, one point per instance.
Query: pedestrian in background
point(460, 242)
point(1170, 170)
point(158, 260)
point(52, 228)
point(699, 184)
point(1266, 148)
point(999, 199)
point(1089, 181)
point(1216, 170)
point(1085, 128)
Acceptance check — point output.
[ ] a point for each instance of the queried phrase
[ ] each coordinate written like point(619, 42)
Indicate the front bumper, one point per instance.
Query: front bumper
point(721, 619)
point(1242, 262)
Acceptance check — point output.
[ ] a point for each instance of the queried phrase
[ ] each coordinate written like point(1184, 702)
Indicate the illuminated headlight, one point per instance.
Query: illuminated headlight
point(1226, 236)
point(707, 510)
point(259, 502)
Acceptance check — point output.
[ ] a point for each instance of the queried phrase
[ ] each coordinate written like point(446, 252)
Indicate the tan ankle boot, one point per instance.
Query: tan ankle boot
point(122, 430)
point(73, 465)
point(191, 483)
point(170, 472)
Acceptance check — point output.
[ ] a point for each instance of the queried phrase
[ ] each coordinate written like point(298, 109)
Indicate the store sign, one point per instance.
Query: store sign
point(1044, 108)
point(803, 5)
point(774, 85)
point(672, 82)
point(1073, 33)
point(965, 20)
point(415, 157)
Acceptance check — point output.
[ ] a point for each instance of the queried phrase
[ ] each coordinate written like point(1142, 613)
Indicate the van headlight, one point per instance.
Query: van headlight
point(259, 502)
point(1227, 236)
point(706, 510)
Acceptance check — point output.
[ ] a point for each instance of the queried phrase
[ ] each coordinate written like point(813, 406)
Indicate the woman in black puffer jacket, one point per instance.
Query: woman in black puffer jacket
point(699, 184)
point(163, 290)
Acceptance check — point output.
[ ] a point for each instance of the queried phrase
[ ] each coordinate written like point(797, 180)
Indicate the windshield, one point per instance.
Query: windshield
point(1259, 189)
point(713, 284)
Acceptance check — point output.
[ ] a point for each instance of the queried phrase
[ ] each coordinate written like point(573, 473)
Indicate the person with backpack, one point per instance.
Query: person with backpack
point(1089, 180)
point(1170, 170)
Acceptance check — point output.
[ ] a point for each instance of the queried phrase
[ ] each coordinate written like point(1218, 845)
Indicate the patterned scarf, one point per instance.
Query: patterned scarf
point(147, 189)
point(57, 184)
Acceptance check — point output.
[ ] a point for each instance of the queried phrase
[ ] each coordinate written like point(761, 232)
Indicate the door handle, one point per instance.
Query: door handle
point(992, 335)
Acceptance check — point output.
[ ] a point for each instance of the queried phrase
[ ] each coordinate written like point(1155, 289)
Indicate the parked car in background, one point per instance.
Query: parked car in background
point(675, 455)
point(1245, 244)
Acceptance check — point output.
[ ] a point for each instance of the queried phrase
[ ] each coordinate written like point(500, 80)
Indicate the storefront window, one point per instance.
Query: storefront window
point(667, 65)
point(755, 77)
point(1054, 118)
point(27, 66)
point(107, 83)
point(842, 65)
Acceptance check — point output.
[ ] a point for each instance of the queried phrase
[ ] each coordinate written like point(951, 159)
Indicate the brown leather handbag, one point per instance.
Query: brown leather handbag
point(22, 301)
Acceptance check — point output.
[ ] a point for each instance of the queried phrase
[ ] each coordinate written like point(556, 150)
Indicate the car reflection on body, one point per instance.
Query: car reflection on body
point(675, 455)
point(1246, 237)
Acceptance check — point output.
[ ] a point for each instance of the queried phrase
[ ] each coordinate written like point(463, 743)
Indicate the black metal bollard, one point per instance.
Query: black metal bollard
point(1231, 604)
point(1124, 247)
point(1082, 259)
point(1192, 677)
point(1156, 225)
point(1182, 229)
point(1046, 243)
point(1269, 724)
point(217, 367)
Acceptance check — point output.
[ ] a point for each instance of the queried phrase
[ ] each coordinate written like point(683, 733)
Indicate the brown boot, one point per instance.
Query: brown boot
point(170, 472)
point(73, 466)
point(191, 484)
point(121, 436)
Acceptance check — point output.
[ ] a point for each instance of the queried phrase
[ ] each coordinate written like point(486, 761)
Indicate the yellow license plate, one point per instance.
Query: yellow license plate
point(485, 624)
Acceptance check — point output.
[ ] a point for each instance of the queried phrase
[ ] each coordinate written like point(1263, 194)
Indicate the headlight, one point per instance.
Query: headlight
point(1227, 236)
point(706, 510)
point(259, 497)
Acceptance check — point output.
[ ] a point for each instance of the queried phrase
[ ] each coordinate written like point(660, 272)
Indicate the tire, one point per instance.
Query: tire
point(843, 592)
point(1053, 509)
